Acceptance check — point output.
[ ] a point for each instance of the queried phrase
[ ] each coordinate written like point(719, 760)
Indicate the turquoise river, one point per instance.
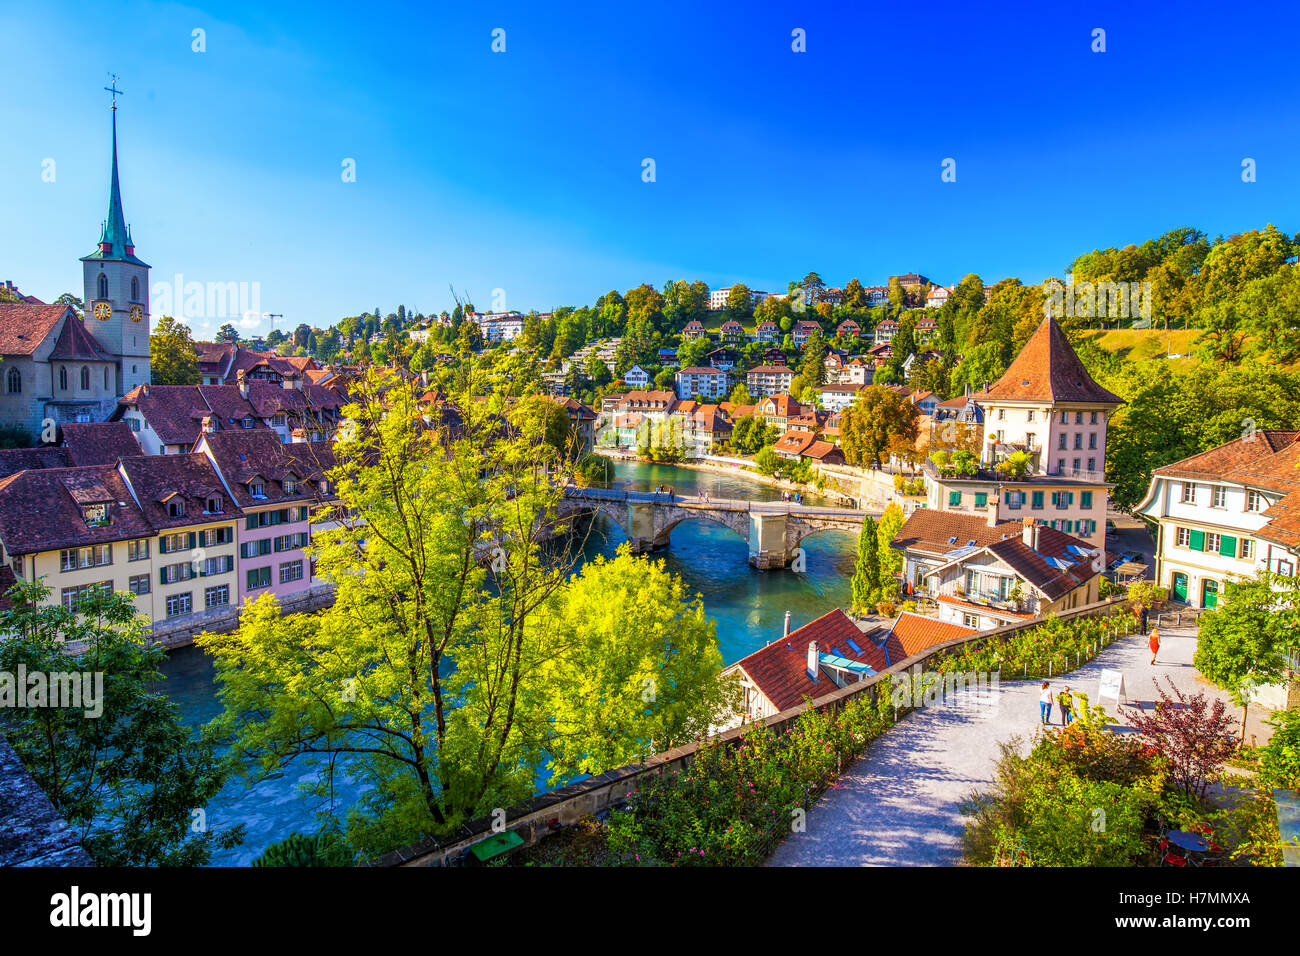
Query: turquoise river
point(748, 605)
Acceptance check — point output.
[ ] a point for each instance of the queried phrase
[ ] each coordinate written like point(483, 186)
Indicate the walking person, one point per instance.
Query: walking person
point(1154, 643)
point(1066, 700)
point(1045, 703)
point(1142, 618)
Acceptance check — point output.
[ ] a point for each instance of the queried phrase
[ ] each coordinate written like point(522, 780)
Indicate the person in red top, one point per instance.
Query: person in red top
point(1154, 643)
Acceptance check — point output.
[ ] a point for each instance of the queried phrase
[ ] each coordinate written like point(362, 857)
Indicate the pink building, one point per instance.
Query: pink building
point(275, 485)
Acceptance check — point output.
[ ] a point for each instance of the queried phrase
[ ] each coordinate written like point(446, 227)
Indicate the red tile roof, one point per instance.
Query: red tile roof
point(242, 456)
point(41, 510)
point(1048, 370)
point(157, 480)
point(99, 443)
point(24, 327)
point(76, 344)
point(14, 460)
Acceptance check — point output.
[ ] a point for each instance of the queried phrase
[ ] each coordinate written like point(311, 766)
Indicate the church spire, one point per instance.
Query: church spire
point(115, 238)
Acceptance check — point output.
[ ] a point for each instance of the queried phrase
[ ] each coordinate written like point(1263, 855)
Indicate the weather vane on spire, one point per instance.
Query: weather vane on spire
point(112, 88)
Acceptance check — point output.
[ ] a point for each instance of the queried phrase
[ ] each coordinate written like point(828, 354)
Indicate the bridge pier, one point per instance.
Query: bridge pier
point(767, 541)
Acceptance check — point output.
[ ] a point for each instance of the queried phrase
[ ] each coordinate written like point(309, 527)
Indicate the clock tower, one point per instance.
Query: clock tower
point(116, 288)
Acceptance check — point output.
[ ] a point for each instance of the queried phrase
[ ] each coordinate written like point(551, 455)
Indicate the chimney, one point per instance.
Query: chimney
point(993, 511)
point(1029, 534)
point(814, 667)
point(786, 633)
point(242, 378)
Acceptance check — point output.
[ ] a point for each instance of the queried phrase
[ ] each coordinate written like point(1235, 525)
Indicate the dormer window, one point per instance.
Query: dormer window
point(257, 489)
point(246, 422)
point(290, 486)
point(95, 514)
point(214, 505)
point(176, 508)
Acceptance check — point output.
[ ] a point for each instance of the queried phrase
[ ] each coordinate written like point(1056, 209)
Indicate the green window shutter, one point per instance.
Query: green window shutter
point(1085, 499)
point(162, 575)
point(981, 499)
point(250, 523)
point(1227, 546)
point(1008, 498)
point(954, 497)
point(1069, 497)
point(1038, 500)
point(1196, 540)
point(192, 540)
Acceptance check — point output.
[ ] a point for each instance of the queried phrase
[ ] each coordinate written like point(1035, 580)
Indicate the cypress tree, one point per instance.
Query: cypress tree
point(866, 570)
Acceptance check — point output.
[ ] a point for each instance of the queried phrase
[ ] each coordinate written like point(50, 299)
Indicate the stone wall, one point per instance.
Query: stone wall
point(31, 831)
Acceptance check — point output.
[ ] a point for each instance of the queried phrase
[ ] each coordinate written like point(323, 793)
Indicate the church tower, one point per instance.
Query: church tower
point(116, 289)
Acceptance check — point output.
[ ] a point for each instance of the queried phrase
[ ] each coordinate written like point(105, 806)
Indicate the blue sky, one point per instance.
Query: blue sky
point(522, 171)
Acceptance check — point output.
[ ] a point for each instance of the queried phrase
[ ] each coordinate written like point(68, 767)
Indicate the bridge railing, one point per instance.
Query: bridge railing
point(729, 504)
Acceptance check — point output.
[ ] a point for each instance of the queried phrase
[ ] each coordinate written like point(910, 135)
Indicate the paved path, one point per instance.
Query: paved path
point(898, 804)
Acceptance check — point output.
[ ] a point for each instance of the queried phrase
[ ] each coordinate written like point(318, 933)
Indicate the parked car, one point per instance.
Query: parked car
point(1125, 557)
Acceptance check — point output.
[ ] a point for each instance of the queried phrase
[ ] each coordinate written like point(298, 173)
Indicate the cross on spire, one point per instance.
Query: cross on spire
point(112, 88)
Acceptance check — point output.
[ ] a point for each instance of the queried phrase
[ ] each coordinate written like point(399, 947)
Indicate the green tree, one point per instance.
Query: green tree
point(173, 359)
point(891, 522)
point(440, 683)
point(866, 569)
point(123, 770)
point(878, 419)
point(1244, 641)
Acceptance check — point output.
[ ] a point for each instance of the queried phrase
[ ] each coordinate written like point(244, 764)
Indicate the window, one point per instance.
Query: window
point(137, 550)
point(981, 499)
point(1085, 500)
point(1065, 418)
point(85, 379)
point(1183, 537)
point(176, 508)
point(219, 565)
point(1189, 492)
point(217, 597)
point(1092, 464)
point(1037, 501)
point(1092, 440)
point(92, 557)
point(14, 382)
point(257, 489)
point(970, 620)
point(172, 573)
point(278, 420)
point(95, 514)
point(101, 286)
point(254, 549)
point(1002, 414)
point(1078, 418)
point(135, 289)
point(1254, 501)
point(1029, 439)
point(954, 499)
point(1063, 441)
point(258, 578)
point(1093, 420)
point(972, 582)
point(214, 506)
point(178, 604)
point(287, 542)
point(72, 596)
point(177, 542)
point(246, 422)
point(1029, 415)
point(139, 584)
point(290, 571)
point(214, 536)
point(1247, 549)
point(290, 486)
point(1078, 440)
point(63, 378)
point(1219, 496)
point(1060, 466)
point(1212, 542)
point(1076, 464)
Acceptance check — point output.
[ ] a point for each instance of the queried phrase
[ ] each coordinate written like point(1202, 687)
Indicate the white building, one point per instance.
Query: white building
point(701, 380)
point(768, 380)
point(636, 377)
point(1228, 512)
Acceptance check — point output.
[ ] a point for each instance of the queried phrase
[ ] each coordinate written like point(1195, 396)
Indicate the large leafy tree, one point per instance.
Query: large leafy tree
point(125, 772)
point(1245, 641)
point(173, 359)
point(877, 419)
point(438, 673)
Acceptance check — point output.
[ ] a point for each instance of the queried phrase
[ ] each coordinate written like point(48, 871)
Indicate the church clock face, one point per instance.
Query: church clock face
point(137, 313)
point(103, 311)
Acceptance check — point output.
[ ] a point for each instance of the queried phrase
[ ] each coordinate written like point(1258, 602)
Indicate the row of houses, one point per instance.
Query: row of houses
point(190, 536)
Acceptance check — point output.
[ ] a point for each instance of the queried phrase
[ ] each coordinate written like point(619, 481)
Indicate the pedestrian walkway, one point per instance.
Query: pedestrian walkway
point(898, 805)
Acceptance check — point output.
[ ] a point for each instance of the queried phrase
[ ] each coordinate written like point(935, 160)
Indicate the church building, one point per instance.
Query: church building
point(56, 367)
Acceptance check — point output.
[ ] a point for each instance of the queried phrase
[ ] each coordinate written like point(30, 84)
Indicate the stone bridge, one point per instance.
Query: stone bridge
point(773, 530)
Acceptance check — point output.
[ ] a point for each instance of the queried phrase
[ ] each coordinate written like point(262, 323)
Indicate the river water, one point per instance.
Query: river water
point(749, 607)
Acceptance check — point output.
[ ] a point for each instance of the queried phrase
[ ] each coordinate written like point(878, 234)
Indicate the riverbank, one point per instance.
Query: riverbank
point(731, 471)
